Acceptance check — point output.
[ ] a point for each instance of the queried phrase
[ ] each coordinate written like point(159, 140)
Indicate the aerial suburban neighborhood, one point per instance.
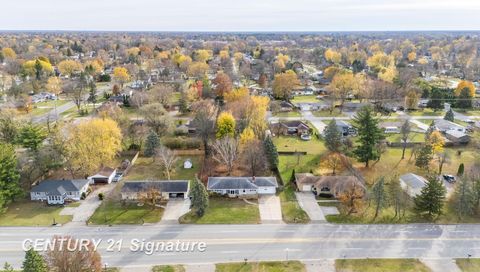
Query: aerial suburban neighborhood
point(269, 151)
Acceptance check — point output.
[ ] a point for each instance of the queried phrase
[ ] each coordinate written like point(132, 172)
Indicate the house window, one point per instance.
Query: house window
point(325, 189)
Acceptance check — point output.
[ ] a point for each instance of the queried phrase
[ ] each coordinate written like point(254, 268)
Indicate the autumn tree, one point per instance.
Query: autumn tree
point(379, 196)
point(333, 56)
point(342, 85)
point(398, 198)
point(80, 259)
point(157, 118)
point(197, 69)
point(254, 156)
point(167, 159)
point(465, 85)
point(225, 125)
point(411, 99)
point(204, 121)
point(334, 160)
point(121, 75)
point(223, 84)
point(405, 131)
point(70, 67)
point(226, 152)
point(369, 135)
point(284, 83)
point(352, 198)
point(150, 196)
point(90, 144)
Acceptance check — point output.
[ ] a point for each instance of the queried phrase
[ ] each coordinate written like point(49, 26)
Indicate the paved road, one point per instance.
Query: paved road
point(227, 243)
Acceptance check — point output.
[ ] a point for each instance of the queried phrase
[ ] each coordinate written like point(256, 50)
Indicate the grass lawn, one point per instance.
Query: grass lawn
point(291, 210)
point(426, 112)
point(30, 213)
point(225, 211)
point(468, 265)
point(326, 113)
point(288, 114)
point(146, 168)
point(305, 99)
point(397, 137)
point(113, 212)
point(380, 265)
point(290, 266)
point(168, 268)
point(294, 143)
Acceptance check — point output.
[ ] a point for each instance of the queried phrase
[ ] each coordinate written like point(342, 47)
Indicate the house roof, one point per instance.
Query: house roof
point(442, 124)
point(167, 186)
point(336, 184)
point(104, 172)
point(240, 183)
point(295, 124)
point(413, 181)
point(456, 134)
point(59, 187)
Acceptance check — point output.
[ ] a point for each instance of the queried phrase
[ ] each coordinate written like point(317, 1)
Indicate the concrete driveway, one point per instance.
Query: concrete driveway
point(174, 210)
point(309, 204)
point(270, 209)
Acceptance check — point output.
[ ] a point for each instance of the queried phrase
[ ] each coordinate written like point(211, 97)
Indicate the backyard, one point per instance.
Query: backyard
point(147, 168)
point(225, 211)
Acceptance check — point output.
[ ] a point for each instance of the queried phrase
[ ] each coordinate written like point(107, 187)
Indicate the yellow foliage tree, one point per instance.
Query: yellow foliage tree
point(238, 56)
point(9, 53)
point(333, 56)
point(281, 61)
point(121, 75)
point(224, 54)
point(256, 114)
point(465, 84)
point(388, 74)
point(69, 67)
point(202, 55)
point(96, 64)
point(237, 94)
point(91, 144)
point(54, 85)
point(380, 61)
point(225, 125)
point(284, 83)
point(412, 56)
point(436, 141)
point(246, 136)
point(197, 69)
point(29, 67)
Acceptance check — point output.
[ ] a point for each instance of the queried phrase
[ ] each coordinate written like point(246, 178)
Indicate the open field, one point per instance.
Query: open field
point(294, 143)
point(226, 211)
point(30, 213)
point(468, 265)
point(380, 265)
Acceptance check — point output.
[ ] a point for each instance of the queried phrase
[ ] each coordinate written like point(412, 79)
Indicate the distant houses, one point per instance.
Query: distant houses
point(242, 186)
point(58, 192)
point(290, 128)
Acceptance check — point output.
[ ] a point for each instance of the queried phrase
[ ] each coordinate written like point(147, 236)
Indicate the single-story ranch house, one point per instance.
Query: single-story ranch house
point(59, 191)
point(132, 190)
point(290, 128)
point(326, 185)
point(242, 186)
point(104, 176)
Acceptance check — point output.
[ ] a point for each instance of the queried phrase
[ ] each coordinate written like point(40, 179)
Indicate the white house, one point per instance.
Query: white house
point(132, 190)
point(412, 184)
point(104, 176)
point(59, 191)
point(242, 186)
point(445, 125)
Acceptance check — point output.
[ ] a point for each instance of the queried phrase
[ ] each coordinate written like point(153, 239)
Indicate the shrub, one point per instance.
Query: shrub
point(182, 143)
point(83, 196)
point(101, 196)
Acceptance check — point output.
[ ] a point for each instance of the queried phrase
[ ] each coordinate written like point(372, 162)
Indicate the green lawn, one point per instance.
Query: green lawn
point(426, 112)
point(294, 143)
point(468, 265)
point(146, 168)
point(304, 99)
point(380, 265)
point(397, 137)
point(289, 266)
point(225, 211)
point(30, 213)
point(326, 113)
point(288, 114)
point(291, 210)
point(115, 213)
point(168, 268)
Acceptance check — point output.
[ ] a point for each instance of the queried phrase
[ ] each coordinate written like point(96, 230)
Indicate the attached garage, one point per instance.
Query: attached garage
point(266, 190)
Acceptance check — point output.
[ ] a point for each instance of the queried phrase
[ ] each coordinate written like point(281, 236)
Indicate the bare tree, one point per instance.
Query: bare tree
point(204, 121)
point(62, 259)
point(157, 118)
point(150, 196)
point(226, 151)
point(254, 156)
point(162, 94)
point(405, 132)
point(167, 159)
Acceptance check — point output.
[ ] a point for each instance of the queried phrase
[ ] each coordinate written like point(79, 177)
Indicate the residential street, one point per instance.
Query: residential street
point(265, 242)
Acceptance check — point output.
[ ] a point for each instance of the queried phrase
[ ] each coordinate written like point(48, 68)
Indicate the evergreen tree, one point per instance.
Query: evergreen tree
point(369, 135)
point(92, 96)
point(333, 137)
point(31, 136)
point(431, 199)
point(429, 131)
point(449, 116)
point(271, 152)
point(436, 99)
point(424, 157)
point(183, 103)
point(397, 197)
point(199, 196)
point(292, 177)
point(9, 175)
point(464, 99)
point(151, 144)
point(461, 170)
point(8, 267)
point(379, 196)
point(34, 262)
point(464, 199)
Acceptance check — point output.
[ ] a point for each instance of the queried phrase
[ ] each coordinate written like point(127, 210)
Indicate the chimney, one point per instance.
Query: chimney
point(253, 179)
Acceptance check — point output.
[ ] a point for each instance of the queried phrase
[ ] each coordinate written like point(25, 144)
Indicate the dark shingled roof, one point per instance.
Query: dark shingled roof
point(167, 186)
point(226, 183)
point(59, 187)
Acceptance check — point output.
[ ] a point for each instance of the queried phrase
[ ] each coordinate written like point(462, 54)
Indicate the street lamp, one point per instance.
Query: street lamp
point(286, 254)
point(106, 266)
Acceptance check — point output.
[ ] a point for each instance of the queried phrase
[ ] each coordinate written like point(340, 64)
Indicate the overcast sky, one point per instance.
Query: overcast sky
point(240, 15)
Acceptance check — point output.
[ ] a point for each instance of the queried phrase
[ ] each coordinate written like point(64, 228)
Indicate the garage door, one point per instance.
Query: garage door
point(306, 188)
point(266, 190)
point(176, 195)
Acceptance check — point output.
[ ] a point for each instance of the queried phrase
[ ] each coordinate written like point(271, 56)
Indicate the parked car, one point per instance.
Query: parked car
point(450, 178)
point(118, 176)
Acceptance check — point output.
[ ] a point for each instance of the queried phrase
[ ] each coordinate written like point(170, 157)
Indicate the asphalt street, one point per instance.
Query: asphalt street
point(226, 243)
